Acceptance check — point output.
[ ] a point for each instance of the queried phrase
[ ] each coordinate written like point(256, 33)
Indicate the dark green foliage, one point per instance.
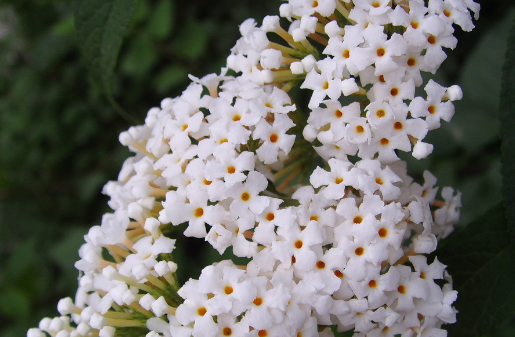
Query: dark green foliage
point(507, 115)
point(481, 260)
point(101, 26)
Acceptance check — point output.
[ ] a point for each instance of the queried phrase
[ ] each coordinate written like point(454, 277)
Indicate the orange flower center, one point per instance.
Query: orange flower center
point(383, 232)
point(199, 212)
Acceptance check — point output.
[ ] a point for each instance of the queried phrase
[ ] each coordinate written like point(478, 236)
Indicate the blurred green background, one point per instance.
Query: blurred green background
point(59, 134)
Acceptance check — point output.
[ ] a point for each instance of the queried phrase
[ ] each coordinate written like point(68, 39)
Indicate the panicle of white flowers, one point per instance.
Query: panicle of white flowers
point(231, 161)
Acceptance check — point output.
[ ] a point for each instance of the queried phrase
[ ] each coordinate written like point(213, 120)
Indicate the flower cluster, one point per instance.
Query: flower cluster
point(233, 161)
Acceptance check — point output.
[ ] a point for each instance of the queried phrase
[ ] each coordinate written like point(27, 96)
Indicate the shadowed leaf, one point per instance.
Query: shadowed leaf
point(507, 115)
point(101, 25)
point(481, 260)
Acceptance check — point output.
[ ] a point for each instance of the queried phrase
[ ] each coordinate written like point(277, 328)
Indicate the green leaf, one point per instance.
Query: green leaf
point(507, 116)
point(23, 257)
point(170, 77)
point(341, 334)
point(192, 40)
point(101, 25)
point(481, 260)
point(64, 253)
point(15, 304)
point(162, 20)
point(476, 123)
point(141, 12)
point(140, 57)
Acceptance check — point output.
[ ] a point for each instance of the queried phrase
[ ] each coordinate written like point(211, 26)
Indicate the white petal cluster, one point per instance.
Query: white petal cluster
point(231, 161)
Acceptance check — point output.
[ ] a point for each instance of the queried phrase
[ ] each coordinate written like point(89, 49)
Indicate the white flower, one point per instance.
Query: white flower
point(274, 138)
point(437, 108)
point(221, 159)
point(375, 287)
point(379, 50)
point(449, 213)
point(378, 178)
point(172, 163)
point(267, 306)
point(246, 201)
point(322, 277)
point(271, 58)
point(323, 84)
point(272, 216)
point(271, 100)
point(359, 222)
point(342, 50)
point(336, 115)
point(229, 326)
point(197, 172)
point(374, 7)
point(378, 113)
point(196, 212)
point(342, 174)
point(229, 285)
point(410, 286)
point(357, 131)
point(229, 165)
point(392, 88)
point(306, 27)
point(297, 246)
